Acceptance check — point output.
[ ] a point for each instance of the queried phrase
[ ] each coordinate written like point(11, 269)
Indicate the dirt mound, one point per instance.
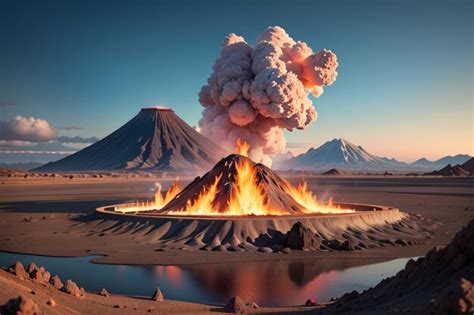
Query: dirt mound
point(156, 138)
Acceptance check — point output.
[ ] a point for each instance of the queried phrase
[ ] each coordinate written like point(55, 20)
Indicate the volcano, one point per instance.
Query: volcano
point(156, 138)
point(238, 186)
point(225, 178)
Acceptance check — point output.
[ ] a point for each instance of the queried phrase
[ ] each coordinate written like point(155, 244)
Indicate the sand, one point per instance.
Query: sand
point(52, 206)
point(93, 303)
point(60, 202)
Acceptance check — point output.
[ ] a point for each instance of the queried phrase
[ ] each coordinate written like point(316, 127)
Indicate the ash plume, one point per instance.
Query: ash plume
point(255, 92)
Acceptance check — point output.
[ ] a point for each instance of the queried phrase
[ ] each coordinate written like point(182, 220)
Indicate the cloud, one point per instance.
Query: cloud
point(255, 92)
point(27, 129)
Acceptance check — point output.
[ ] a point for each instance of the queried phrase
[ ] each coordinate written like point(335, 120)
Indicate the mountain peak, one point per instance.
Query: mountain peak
point(156, 138)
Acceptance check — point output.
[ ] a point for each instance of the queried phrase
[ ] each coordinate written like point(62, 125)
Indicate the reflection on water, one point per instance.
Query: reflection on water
point(269, 283)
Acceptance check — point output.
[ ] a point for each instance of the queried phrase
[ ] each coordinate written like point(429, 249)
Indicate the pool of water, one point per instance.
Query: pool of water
point(268, 283)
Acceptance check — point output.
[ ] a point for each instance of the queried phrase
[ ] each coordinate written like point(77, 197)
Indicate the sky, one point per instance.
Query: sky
point(404, 87)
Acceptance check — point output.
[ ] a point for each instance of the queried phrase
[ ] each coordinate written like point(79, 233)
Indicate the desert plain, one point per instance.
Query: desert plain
point(42, 216)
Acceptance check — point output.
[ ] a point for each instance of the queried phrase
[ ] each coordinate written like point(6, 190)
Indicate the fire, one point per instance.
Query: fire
point(244, 195)
point(309, 201)
point(248, 197)
point(242, 147)
point(159, 202)
point(203, 204)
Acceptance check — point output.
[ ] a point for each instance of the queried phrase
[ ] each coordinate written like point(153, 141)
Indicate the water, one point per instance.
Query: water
point(269, 283)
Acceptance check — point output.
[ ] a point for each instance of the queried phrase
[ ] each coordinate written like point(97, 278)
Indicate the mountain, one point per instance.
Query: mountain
point(466, 169)
point(340, 154)
point(469, 165)
point(450, 159)
point(156, 138)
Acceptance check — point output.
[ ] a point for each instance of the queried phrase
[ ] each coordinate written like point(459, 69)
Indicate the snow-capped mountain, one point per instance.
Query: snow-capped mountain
point(340, 153)
point(344, 155)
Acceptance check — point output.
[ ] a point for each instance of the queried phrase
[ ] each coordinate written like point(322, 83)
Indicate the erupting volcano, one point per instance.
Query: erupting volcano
point(237, 186)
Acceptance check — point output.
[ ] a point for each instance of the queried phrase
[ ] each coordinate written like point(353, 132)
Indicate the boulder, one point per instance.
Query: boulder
point(302, 238)
point(266, 250)
point(19, 270)
point(22, 306)
point(235, 305)
point(56, 282)
point(158, 296)
point(104, 292)
point(41, 275)
point(32, 268)
point(51, 302)
point(72, 288)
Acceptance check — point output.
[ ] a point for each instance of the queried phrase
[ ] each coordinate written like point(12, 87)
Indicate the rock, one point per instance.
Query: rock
point(41, 276)
point(56, 282)
point(301, 237)
point(51, 302)
point(22, 306)
point(46, 276)
point(157, 296)
point(104, 292)
point(286, 250)
point(19, 270)
point(459, 299)
point(72, 288)
point(236, 305)
point(266, 250)
point(32, 268)
point(310, 302)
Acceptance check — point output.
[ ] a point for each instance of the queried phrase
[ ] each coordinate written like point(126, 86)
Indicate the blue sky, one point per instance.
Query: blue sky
point(404, 88)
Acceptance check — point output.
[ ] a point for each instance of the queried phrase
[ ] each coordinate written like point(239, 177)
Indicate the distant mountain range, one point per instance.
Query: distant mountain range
point(465, 169)
point(344, 155)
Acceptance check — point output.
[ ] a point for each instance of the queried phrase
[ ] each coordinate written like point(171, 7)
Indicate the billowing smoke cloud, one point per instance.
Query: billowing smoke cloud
point(26, 129)
point(254, 93)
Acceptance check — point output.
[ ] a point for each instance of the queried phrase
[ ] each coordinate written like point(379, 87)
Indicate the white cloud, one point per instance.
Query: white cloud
point(27, 129)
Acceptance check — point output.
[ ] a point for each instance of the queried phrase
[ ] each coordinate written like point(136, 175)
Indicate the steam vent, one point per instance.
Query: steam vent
point(156, 138)
point(243, 206)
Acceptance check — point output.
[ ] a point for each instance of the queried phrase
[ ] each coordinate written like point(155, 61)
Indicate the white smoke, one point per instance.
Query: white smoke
point(255, 92)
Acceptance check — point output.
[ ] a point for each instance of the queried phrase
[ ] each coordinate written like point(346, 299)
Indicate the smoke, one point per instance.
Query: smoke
point(255, 92)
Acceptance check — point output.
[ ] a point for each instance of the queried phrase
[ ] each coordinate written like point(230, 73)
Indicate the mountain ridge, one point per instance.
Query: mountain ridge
point(342, 154)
